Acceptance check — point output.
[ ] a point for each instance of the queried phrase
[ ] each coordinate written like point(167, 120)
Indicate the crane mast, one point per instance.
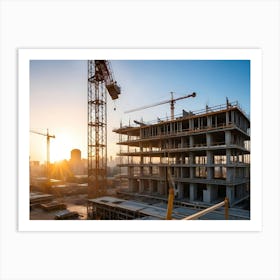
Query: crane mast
point(100, 80)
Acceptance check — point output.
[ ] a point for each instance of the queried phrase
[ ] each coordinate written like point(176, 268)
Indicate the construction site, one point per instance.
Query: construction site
point(193, 165)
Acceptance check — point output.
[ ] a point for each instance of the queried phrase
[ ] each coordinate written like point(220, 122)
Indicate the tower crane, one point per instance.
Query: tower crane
point(172, 102)
point(48, 148)
point(100, 80)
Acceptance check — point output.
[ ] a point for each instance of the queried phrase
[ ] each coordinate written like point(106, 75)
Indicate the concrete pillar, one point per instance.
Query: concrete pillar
point(230, 174)
point(191, 141)
point(209, 121)
point(206, 196)
point(150, 186)
point(230, 194)
point(183, 141)
point(141, 186)
point(210, 194)
point(193, 192)
point(210, 157)
point(209, 139)
point(191, 158)
point(227, 117)
point(228, 137)
point(192, 169)
point(228, 155)
point(180, 190)
point(191, 126)
point(130, 185)
point(160, 187)
point(210, 170)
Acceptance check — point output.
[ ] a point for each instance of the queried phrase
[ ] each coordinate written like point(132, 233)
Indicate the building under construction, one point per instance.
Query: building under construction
point(207, 153)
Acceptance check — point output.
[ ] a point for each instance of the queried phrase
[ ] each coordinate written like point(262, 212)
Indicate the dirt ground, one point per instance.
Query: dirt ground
point(76, 203)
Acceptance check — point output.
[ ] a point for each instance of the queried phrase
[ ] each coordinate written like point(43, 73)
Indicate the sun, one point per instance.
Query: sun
point(62, 145)
point(58, 153)
point(60, 149)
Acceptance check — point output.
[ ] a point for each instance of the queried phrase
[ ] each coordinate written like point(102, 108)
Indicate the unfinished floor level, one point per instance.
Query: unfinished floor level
point(207, 153)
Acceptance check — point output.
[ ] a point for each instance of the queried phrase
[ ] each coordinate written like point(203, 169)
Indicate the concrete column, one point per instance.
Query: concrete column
point(190, 124)
point(230, 194)
point(210, 194)
point(228, 155)
point(210, 157)
point(210, 170)
point(209, 121)
point(230, 174)
point(193, 192)
point(141, 186)
point(183, 142)
point(150, 186)
point(227, 117)
point(191, 141)
point(192, 171)
point(180, 190)
point(209, 139)
point(191, 158)
point(228, 137)
point(160, 189)
point(206, 195)
point(191, 161)
point(130, 185)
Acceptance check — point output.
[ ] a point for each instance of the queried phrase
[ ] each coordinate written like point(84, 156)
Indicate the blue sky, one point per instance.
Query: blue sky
point(58, 96)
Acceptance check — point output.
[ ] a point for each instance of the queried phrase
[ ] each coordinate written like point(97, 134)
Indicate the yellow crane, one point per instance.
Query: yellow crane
point(170, 195)
point(48, 136)
point(172, 102)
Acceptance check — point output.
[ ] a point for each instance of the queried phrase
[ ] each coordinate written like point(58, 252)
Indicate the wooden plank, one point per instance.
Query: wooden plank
point(205, 211)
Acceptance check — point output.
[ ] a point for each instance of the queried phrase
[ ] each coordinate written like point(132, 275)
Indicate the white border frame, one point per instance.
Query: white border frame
point(254, 55)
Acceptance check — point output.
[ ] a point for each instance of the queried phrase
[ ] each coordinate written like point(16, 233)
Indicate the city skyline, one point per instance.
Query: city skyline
point(58, 96)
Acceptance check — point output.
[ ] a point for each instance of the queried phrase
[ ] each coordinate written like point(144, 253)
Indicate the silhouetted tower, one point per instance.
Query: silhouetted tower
point(48, 136)
point(76, 155)
point(100, 79)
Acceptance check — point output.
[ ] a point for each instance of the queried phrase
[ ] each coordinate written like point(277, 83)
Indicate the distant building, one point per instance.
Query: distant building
point(76, 155)
point(76, 163)
point(36, 170)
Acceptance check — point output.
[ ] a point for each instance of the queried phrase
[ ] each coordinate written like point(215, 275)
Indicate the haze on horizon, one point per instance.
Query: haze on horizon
point(58, 96)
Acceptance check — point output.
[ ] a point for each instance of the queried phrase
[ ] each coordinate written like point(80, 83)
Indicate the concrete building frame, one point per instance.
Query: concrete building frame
point(207, 152)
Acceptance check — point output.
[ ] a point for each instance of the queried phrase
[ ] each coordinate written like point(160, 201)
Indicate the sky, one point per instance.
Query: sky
point(58, 97)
